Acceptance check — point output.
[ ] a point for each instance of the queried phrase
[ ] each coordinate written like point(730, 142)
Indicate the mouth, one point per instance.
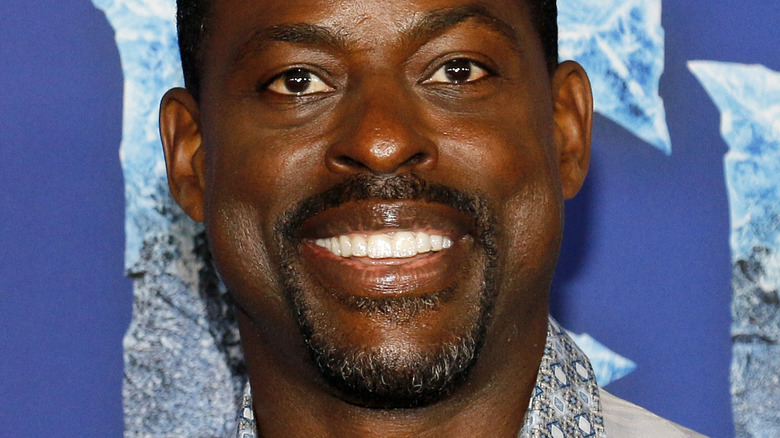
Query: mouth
point(380, 249)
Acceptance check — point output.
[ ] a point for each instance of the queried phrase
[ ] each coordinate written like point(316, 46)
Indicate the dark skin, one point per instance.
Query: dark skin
point(379, 100)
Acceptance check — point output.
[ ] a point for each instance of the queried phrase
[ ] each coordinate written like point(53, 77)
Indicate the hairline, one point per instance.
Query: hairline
point(192, 50)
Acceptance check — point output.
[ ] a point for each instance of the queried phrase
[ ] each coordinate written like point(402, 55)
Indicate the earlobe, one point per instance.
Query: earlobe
point(573, 118)
point(184, 153)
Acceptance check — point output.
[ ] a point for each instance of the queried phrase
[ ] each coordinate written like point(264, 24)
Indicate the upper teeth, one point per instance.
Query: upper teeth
point(386, 245)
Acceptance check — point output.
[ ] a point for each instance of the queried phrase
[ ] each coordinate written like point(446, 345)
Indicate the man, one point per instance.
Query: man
point(382, 185)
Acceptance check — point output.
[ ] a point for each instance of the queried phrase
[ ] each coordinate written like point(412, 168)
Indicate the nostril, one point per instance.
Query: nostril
point(416, 159)
point(345, 161)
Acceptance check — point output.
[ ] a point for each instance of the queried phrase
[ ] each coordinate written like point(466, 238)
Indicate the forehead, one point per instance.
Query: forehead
point(363, 24)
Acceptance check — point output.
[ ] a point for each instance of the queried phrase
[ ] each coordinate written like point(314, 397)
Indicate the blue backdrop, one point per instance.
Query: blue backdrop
point(646, 267)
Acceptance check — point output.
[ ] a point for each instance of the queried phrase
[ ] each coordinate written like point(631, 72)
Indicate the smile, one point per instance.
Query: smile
point(399, 244)
point(378, 248)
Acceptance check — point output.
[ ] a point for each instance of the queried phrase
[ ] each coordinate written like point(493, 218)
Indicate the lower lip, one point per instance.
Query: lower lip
point(381, 278)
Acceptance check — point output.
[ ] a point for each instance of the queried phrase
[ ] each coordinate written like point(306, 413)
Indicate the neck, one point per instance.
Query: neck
point(292, 400)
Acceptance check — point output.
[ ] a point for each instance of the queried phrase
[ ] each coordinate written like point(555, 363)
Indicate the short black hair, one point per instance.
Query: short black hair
point(192, 18)
point(192, 22)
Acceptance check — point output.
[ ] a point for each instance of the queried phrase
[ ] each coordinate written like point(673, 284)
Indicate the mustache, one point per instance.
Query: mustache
point(400, 187)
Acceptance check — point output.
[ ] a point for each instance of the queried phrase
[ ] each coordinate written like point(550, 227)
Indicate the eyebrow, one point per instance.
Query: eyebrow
point(432, 24)
point(439, 21)
point(296, 33)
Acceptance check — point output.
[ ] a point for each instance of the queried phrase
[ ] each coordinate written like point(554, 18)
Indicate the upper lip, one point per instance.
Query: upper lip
point(387, 216)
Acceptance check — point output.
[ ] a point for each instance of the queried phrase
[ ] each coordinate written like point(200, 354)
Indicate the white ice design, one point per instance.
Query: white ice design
point(621, 45)
point(608, 366)
point(146, 36)
point(748, 97)
point(181, 351)
point(179, 333)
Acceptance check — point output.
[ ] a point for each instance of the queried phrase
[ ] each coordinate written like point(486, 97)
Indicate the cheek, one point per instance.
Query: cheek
point(533, 229)
point(509, 166)
point(529, 241)
point(523, 189)
point(255, 171)
point(241, 257)
point(270, 166)
point(502, 149)
point(241, 206)
point(236, 193)
point(523, 186)
point(532, 211)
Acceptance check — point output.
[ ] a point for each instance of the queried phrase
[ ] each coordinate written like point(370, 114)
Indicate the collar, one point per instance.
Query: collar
point(564, 402)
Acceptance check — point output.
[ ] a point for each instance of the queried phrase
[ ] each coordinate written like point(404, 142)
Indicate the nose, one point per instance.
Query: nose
point(382, 133)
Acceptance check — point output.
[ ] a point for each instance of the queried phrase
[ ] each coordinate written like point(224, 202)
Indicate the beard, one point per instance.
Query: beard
point(391, 377)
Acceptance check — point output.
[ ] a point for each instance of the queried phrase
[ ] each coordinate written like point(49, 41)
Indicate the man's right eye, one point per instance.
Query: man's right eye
point(297, 82)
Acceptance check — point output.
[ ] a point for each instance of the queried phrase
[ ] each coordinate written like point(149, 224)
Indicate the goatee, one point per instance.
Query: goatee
point(386, 377)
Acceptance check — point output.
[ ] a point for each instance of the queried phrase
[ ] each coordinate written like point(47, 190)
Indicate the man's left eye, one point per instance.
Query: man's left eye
point(458, 71)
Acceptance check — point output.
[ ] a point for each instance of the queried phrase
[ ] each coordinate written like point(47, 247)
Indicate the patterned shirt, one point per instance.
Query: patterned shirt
point(564, 403)
point(565, 400)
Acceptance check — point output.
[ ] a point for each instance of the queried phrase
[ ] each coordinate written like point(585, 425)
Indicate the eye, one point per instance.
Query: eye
point(298, 82)
point(458, 71)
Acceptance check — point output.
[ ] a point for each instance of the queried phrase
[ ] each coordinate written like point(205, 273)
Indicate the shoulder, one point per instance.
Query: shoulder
point(623, 419)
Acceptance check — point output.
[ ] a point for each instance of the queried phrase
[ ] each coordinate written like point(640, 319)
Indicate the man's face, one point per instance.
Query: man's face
point(382, 187)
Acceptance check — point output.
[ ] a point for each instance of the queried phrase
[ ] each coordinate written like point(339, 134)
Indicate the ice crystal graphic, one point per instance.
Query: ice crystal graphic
point(182, 354)
point(607, 365)
point(748, 97)
point(621, 45)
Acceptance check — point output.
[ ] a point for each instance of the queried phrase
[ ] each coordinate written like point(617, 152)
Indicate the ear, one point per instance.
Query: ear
point(184, 153)
point(573, 119)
